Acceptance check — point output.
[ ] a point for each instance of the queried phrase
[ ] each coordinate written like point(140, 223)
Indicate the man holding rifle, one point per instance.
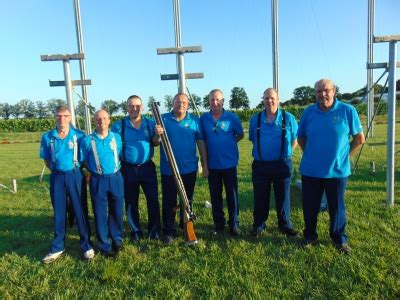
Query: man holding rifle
point(138, 140)
point(184, 132)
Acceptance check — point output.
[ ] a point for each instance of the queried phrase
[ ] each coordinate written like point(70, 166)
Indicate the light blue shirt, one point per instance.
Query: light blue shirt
point(63, 149)
point(271, 136)
point(220, 138)
point(105, 151)
point(137, 142)
point(327, 140)
point(182, 136)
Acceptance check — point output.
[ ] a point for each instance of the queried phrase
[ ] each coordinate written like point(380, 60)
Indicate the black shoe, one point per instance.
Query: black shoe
point(136, 236)
point(154, 236)
point(235, 232)
point(257, 232)
point(343, 249)
point(289, 232)
point(116, 248)
point(308, 243)
point(218, 231)
point(168, 239)
point(108, 254)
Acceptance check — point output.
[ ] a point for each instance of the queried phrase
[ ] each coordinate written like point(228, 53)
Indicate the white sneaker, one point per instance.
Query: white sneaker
point(49, 258)
point(88, 254)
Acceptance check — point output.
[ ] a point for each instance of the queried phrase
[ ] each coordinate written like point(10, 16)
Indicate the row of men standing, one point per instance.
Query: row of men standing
point(120, 162)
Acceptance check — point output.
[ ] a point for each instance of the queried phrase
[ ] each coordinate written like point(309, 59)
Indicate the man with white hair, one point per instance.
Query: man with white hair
point(324, 132)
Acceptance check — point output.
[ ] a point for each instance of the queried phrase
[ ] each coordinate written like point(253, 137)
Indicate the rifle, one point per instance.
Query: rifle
point(188, 215)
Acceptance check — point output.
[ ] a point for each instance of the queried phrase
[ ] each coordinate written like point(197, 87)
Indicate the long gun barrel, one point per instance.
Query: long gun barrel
point(188, 216)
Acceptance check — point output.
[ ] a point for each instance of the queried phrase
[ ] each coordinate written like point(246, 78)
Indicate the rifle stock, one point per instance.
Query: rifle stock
point(188, 216)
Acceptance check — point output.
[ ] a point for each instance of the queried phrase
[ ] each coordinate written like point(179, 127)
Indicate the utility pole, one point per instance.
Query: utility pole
point(275, 60)
point(181, 76)
point(370, 72)
point(82, 65)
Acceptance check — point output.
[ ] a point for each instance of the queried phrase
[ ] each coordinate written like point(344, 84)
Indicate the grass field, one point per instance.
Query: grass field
point(218, 267)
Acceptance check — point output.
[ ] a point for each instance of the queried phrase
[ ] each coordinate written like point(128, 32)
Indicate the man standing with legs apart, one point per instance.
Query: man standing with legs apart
point(222, 130)
point(184, 132)
point(138, 140)
point(59, 149)
point(101, 151)
point(324, 132)
point(273, 134)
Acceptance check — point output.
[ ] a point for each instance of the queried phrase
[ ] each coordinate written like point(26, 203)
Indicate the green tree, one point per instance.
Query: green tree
point(123, 107)
point(28, 108)
point(150, 102)
point(195, 103)
point(303, 95)
point(239, 99)
point(80, 109)
point(206, 103)
point(111, 106)
point(168, 102)
point(16, 110)
point(53, 103)
point(5, 110)
point(42, 110)
point(260, 105)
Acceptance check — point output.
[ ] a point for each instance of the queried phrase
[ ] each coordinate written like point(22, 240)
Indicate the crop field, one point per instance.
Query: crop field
point(218, 267)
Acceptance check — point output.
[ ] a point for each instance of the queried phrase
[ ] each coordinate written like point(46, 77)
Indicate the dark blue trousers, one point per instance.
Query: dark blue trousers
point(145, 176)
point(169, 199)
point(264, 175)
point(107, 192)
point(69, 184)
point(217, 179)
point(312, 190)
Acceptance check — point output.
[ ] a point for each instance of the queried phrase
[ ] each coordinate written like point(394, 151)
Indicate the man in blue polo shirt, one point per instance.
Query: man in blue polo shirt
point(273, 134)
point(184, 132)
point(138, 140)
point(59, 149)
point(222, 130)
point(324, 136)
point(100, 152)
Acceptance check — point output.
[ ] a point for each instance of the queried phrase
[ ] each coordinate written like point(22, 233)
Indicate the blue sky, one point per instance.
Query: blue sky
point(317, 38)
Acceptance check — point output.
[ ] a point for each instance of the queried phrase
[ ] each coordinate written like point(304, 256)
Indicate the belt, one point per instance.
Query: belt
point(137, 165)
point(106, 175)
point(65, 172)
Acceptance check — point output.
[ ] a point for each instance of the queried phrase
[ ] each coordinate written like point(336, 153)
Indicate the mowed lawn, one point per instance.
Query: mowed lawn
point(218, 267)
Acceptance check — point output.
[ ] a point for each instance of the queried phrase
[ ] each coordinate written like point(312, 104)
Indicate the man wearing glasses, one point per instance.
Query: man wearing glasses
point(59, 150)
point(139, 137)
point(222, 131)
point(324, 136)
point(184, 132)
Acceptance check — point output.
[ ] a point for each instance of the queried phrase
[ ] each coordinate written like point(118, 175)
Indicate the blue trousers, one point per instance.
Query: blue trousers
point(218, 178)
point(69, 184)
point(263, 177)
point(107, 192)
point(169, 199)
point(145, 176)
point(312, 190)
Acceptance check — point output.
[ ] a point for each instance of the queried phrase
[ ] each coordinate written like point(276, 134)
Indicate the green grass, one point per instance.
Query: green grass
point(218, 267)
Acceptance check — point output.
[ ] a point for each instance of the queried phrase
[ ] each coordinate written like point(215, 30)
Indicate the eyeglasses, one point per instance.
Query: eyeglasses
point(62, 116)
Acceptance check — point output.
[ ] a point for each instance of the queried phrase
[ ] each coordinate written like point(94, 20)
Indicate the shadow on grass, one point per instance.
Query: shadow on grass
point(31, 236)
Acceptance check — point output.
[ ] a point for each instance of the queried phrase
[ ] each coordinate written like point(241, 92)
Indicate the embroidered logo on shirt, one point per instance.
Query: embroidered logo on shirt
point(112, 145)
point(186, 125)
point(71, 145)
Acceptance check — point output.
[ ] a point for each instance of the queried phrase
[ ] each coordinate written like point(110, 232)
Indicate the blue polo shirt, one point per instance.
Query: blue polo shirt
point(182, 136)
point(271, 136)
point(105, 151)
point(220, 139)
point(327, 144)
point(63, 149)
point(138, 147)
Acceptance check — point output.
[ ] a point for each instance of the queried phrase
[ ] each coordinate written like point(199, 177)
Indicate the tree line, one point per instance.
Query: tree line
point(238, 99)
